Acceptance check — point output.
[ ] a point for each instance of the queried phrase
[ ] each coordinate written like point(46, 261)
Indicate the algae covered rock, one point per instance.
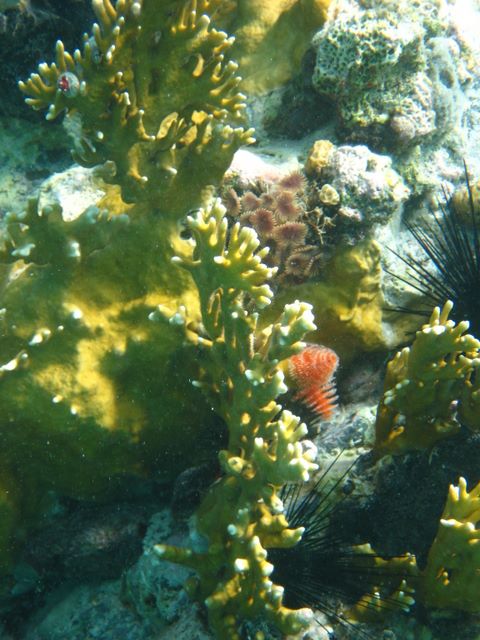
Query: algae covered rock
point(369, 189)
point(92, 389)
point(363, 60)
point(395, 77)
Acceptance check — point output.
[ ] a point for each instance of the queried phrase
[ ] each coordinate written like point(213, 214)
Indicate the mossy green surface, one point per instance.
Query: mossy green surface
point(271, 38)
point(376, 63)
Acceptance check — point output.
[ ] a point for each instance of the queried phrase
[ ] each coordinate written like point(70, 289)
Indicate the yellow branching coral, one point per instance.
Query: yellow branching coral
point(157, 98)
point(242, 516)
point(83, 371)
point(394, 589)
point(426, 383)
point(452, 576)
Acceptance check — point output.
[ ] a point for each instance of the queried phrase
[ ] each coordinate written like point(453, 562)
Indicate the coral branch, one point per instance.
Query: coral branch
point(242, 515)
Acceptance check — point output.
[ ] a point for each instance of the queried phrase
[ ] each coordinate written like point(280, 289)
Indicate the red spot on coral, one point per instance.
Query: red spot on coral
point(63, 83)
point(313, 370)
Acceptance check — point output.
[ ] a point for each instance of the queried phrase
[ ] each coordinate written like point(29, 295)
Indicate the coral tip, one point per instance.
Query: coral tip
point(313, 371)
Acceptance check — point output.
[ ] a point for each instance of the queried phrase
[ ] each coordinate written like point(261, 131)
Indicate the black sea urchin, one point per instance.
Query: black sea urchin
point(452, 244)
point(323, 569)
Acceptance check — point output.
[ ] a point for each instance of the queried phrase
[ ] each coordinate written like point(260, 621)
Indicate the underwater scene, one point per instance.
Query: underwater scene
point(240, 320)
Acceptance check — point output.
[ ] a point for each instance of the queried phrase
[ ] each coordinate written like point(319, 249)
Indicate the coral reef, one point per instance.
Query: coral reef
point(333, 213)
point(83, 369)
point(112, 305)
point(306, 218)
point(430, 387)
point(242, 515)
